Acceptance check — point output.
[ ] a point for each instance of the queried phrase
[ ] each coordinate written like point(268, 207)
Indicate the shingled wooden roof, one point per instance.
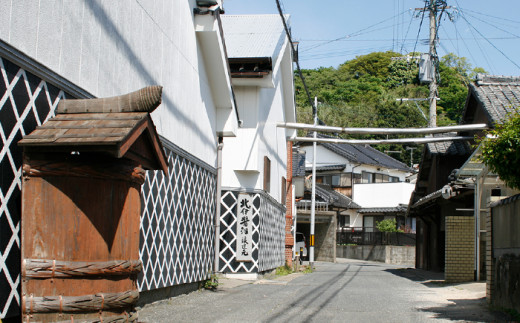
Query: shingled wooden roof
point(120, 126)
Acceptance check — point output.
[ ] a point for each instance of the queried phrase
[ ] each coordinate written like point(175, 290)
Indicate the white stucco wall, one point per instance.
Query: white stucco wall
point(356, 219)
point(115, 47)
point(261, 109)
point(382, 194)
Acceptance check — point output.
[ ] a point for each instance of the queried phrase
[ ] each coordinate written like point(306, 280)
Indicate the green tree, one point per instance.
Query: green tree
point(363, 92)
point(388, 225)
point(501, 150)
point(374, 64)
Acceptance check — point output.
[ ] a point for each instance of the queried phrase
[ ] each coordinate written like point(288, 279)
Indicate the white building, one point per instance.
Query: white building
point(255, 161)
point(375, 183)
point(52, 50)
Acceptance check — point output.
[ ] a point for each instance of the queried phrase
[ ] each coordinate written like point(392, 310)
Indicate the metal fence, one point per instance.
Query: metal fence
point(306, 205)
point(376, 238)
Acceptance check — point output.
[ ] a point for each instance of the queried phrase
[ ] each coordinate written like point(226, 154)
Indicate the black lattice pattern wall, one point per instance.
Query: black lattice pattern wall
point(26, 101)
point(268, 234)
point(177, 233)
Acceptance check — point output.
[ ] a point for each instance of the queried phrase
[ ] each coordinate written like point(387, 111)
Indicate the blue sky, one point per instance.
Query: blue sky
point(486, 32)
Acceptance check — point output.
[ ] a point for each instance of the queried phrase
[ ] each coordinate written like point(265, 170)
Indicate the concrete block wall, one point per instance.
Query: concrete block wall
point(396, 255)
point(400, 255)
point(459, 250)
point(325, 235)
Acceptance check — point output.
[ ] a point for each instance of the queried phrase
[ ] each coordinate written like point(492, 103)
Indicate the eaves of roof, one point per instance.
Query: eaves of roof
point(365, 154)
point(396, 209)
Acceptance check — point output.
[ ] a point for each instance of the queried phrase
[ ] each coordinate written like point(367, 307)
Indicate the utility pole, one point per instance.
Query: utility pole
point(433, 57)
point(411, 149)
point(433, 7)
point(313, 192)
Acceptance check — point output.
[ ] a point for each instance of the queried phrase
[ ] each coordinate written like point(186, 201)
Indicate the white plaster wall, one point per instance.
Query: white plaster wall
point(383, 194)
point(243, 157)
point(114, 47)
point(356, 219)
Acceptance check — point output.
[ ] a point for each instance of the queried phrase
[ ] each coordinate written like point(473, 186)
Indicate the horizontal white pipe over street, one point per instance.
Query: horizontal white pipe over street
point(380, 141)
point(382, 131)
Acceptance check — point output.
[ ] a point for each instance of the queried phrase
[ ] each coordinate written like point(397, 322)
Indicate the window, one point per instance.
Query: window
point(394, 179)
point(386, 179)
point(335, 180)
point(357, 178)
point(323, 179)
point(367, 177)
point(267, 174)
point(378, 178)
point(343, 220)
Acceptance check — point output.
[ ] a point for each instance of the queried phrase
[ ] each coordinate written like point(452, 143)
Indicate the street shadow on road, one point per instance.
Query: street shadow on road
point(305, 300)
point(428, 278)
point(467, 310)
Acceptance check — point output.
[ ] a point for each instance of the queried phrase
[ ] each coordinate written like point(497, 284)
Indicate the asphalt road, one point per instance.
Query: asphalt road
point(347, 291)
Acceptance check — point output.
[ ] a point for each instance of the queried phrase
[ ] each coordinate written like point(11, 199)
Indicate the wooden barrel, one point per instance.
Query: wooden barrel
point(80, 238)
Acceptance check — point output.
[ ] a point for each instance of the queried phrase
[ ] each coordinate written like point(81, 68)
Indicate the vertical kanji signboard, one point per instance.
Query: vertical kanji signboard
point(244, 249)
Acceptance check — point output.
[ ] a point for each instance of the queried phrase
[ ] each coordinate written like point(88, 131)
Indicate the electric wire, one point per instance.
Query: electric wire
point(465, 45)
point(494, 26)
point(490, 16)
point(492, 45)
point(407, 39)
point(357, 33)
point(406, 35)
point(288, 33)
point(420, 27)
point(452, 44)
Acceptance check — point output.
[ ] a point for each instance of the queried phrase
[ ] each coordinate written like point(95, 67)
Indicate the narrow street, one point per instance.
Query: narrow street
point(350, 290)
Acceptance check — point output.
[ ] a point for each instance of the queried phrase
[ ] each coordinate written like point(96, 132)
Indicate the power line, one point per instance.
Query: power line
point(357, 33)
point(407, 30)
point(288, 33)
point(490, 24)
point(493, 45)
point(404, 39)
point(490, 16)
point(420, 26)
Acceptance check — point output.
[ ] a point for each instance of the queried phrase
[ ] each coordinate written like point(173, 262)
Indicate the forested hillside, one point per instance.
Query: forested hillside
point(363, 92)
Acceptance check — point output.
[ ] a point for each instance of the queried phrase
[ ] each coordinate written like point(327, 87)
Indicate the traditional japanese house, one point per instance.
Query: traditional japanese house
point(374, 181)
point(254, 185)
point(453, 189)
point(51, 51)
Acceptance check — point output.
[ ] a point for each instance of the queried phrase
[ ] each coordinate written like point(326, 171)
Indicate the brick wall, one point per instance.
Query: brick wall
point(289, 238)
point(460, 246)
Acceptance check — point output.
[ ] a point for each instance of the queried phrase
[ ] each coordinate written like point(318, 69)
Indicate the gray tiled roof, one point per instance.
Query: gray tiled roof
point(456, 147)
point(326, 193)
point(395, 209)
point(499, 95)
point(323, 168)
point(253, 36)
point(428, 198)
point(364, 154)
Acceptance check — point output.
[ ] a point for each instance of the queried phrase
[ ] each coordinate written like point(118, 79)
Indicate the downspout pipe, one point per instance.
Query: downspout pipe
point(217, 208)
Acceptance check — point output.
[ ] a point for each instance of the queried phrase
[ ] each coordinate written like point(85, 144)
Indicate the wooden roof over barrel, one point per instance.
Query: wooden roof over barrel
point(120, 126)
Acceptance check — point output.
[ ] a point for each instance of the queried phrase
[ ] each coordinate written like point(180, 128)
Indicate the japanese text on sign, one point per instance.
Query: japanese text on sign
point(244, 248)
